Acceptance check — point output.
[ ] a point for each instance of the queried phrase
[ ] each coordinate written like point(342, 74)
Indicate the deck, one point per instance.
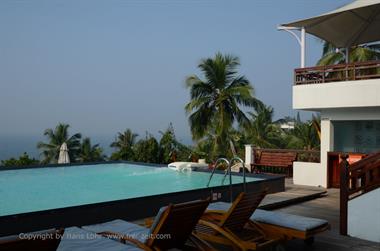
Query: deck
point(324, 207)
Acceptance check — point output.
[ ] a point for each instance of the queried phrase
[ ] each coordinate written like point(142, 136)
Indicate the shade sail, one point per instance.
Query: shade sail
point(353, 24)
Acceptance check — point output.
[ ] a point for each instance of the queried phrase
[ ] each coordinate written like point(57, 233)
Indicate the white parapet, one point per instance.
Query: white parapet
point(249, 158)
point(363, 216)
point(344, 94)
point(308, 174)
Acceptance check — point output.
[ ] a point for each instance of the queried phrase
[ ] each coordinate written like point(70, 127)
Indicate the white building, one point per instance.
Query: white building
point(347, 96)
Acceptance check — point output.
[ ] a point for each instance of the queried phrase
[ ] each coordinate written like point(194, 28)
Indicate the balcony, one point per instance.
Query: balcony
point(337, 86)
point(337, 73)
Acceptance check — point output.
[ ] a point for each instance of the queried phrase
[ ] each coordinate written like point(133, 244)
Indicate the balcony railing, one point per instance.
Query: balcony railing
point(336, 73)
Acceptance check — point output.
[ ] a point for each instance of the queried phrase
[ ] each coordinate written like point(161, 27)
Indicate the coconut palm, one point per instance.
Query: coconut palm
point(304, 136)
point(260, 129)
point(316, 120)
point(56, 138)
point(216, 100)
point(124, 145)
point(332, 55)
point(89, 152)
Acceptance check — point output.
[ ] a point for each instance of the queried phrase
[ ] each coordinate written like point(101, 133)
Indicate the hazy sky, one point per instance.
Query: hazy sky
point(103, 66)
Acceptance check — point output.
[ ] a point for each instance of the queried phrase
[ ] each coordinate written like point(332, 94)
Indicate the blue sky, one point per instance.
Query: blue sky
point(103, 66)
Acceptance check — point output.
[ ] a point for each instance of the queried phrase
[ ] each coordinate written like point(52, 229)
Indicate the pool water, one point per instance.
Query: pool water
point(36, 189)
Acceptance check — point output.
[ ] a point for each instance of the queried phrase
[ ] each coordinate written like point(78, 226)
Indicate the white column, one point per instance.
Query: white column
point(303, 47)
point(249, 157)
point(327, 145)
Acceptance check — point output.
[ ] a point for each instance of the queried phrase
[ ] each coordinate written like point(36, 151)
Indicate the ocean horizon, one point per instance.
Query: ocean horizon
point(12, 146)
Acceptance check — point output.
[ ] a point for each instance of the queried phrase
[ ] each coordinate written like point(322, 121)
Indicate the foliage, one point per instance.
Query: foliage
point(168, 146)
point(170, 149)
point(260, 130)
point(124, 144)
point(23, 160)
point(304, 136)
point(56, 138)
point(332, 55)
point(147, 150)
point(217, 99)
point(89, 152)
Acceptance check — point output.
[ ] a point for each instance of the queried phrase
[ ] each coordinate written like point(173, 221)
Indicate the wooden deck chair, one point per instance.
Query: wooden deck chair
point(281, 225)
point(172, 228)
point(234, 228)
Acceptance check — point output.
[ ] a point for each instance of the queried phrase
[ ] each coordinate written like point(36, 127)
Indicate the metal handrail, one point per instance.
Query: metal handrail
point(215, 166)
point(241, 161)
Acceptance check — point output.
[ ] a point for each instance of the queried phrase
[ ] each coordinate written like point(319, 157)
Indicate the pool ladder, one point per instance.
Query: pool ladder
point(228, 171)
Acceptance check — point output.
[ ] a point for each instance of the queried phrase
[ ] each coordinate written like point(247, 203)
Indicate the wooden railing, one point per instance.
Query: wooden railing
point(336, 73)
point(357, 179)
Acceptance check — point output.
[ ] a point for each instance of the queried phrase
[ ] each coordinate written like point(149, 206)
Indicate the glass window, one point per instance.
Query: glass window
point(357, 136)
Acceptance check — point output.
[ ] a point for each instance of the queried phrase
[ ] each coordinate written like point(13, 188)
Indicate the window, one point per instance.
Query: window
point(357, 136)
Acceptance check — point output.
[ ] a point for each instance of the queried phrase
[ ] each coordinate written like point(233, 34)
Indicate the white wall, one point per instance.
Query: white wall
point(327, 145)
point(327, 141)
point(360, 93)
point(364, 216)
point(308, 174)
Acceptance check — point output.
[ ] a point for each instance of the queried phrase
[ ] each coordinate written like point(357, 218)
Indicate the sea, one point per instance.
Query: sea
point(12, 146)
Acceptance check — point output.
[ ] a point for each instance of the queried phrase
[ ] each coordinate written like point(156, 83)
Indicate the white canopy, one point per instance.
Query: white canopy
point(63, 157)
point(353, 24)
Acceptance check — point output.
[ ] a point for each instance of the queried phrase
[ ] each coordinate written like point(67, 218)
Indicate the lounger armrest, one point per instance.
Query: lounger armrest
point(125, 238)
point(215, 211)
point(148, 222)
point(213, 215)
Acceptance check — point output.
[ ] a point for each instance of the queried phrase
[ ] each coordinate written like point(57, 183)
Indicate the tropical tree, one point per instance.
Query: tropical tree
point(56, 137)
point(304, 136)
point(260, 130)
point(217, 99)
point(147, 150)
point(89, 152)
point(168, 146)
point(23, 160)
point(123, 144)
point(361, 53)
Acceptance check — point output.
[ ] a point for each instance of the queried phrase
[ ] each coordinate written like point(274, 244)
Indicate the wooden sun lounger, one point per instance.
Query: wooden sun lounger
point(233, 227)
point(174, 221)
point(282, 225)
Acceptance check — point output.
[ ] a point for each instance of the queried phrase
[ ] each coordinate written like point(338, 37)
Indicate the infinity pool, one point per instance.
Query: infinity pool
point(36, 189)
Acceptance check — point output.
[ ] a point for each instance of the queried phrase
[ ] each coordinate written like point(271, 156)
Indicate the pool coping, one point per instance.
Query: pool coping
point(127, 209)
point(3, 168)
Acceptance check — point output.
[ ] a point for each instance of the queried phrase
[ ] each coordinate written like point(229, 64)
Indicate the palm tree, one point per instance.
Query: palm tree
point(56, 138)
point(316, 120)
point(90, 153)
point(260, 129)
point(124, 144)
point(361, 53)
point(304, 136)
point(216, 100)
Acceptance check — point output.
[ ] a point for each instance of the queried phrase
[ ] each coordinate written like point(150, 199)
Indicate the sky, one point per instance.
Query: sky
point(103, 66)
